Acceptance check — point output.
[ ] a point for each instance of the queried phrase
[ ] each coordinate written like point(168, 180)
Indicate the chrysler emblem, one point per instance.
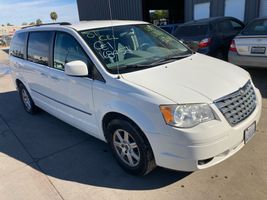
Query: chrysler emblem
point(242, 92)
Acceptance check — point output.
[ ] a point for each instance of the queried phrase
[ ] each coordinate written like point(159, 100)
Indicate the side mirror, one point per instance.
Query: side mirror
point(76, 68)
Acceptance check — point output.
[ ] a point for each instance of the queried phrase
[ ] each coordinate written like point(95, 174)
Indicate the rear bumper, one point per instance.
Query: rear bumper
point(247, 61)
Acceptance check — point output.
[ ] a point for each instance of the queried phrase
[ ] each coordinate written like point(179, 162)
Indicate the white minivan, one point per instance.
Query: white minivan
point(132, 85)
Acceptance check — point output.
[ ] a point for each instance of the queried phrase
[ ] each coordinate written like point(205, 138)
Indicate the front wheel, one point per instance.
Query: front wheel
point(131, 150)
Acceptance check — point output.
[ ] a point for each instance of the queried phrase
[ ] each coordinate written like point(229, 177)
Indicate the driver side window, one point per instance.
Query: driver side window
point(67, 49)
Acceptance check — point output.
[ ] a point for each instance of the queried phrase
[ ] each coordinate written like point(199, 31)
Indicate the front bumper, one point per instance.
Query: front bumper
point(247, 61)
point(182, 149)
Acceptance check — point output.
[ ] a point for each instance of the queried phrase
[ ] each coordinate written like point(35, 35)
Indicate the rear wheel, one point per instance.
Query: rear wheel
point(26, 99)
point(129, 147)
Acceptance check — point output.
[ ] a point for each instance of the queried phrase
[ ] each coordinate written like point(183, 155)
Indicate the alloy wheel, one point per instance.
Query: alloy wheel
point(126, 147)
point(26, 99)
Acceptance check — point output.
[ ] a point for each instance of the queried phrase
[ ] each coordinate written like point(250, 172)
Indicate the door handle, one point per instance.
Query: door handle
point(54, 77)
point(43, 74)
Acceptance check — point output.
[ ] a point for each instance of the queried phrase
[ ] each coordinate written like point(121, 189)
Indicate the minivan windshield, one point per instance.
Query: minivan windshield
point(133, 47)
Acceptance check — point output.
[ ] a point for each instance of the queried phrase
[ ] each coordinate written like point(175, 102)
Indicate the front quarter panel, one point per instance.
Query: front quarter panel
point(134, 102)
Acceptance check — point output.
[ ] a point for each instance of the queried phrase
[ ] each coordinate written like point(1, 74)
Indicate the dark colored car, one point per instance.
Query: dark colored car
point(211, 36)
point(170, 28)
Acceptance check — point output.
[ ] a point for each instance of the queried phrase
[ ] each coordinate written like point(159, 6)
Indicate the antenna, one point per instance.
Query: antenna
point(114, 43)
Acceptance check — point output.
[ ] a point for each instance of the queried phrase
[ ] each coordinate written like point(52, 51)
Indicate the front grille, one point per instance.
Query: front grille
point(239, 105)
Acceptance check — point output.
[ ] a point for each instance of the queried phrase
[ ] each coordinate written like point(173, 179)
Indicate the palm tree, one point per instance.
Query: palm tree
point(53, 16)
point(38, 22)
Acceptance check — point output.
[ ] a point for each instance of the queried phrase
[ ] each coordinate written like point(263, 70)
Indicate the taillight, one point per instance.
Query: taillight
point(233, 46)
point(204, 43)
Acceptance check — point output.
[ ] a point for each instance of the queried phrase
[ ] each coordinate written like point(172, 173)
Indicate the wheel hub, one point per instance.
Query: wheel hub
point(126, 147)
point(26, 99)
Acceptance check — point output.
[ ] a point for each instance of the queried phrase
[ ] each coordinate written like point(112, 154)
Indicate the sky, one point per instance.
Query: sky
point(17, 12)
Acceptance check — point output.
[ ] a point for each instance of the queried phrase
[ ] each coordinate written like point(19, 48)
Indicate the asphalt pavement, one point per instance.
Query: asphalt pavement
point(42, 157)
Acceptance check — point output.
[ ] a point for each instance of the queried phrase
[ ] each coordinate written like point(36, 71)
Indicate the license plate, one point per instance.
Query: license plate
point(249, 132)
point(258, 50)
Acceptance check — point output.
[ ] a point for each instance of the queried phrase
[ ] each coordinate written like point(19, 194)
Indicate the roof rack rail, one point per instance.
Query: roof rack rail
point(56, 23)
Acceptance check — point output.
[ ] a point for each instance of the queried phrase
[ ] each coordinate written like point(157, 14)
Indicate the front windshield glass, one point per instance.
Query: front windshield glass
point(133, 47)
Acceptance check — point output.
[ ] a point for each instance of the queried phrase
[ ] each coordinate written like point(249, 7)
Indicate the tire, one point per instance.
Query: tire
point(26, 100)
point(129, 147)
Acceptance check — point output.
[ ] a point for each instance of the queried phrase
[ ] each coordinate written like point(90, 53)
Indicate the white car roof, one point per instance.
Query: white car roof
point(83, 25)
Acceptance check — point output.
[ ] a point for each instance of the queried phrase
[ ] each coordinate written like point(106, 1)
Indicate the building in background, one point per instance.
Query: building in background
point(132, 10)
point(6, 33)
point(8, 30)
point(245, 10)
point(174, 11)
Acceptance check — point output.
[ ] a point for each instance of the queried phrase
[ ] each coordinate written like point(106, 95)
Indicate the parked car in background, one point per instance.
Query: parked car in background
point(248, 49)
point(170, 28)
point(211, 36)
point(2, 42)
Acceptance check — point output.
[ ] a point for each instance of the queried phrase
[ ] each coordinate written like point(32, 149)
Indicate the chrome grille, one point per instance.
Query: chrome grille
point(239, 105)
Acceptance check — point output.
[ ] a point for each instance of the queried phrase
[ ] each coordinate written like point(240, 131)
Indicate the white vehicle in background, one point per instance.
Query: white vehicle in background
point(132, 85)
point(249, 48)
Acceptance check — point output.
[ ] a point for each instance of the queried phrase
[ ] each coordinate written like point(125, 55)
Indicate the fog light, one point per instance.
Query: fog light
point(203, 162)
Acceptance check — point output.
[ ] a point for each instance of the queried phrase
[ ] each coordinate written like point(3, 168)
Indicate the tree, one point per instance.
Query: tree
point(8, 24)
point(159, 14)
point(38, 22)
point(32, 23)
point(24, 24)
point(53, 16)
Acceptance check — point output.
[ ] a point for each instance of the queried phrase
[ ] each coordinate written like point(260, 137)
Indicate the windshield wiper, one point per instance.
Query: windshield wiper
point(136, 66)
point(169, 59)
point(157, 62)
point(176, 57)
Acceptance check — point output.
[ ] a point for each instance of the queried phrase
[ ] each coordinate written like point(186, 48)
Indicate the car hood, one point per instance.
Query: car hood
point(195, 79)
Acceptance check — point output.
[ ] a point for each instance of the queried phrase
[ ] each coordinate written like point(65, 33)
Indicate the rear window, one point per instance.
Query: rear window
point(17, 45)
point(258, 27)
point(194, 30)
point(38, 47)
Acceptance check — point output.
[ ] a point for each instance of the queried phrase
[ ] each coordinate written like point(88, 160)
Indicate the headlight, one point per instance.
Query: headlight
point(186, 115)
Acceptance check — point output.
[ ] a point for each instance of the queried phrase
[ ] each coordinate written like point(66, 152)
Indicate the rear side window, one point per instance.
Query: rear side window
point(17, 45)
point(236, 25)
point(38, 47)
point(194, 30)
point(258, 27)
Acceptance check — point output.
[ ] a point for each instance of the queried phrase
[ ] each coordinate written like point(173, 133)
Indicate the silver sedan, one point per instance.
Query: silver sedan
point(248, 49)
